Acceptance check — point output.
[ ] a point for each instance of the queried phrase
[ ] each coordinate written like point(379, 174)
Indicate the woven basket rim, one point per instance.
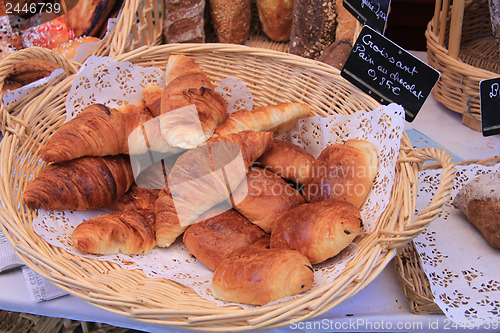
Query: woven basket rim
point(434, 46)
point(409, 268)
point(378, 248)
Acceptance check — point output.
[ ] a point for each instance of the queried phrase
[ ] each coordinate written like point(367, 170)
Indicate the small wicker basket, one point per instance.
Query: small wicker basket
point(461, 46)
point(409, 271)
point(160, 301)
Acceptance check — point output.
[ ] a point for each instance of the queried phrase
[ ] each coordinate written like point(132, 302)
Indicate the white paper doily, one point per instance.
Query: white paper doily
point(103, 80)
point(462, 268)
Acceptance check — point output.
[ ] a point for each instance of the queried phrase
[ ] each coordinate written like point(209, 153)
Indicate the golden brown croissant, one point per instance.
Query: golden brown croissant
point(288, 160)
point(276, 118)
point(137, 198)
point(343, 172)
point(128, 232)
point(83, 183)
point(204, 177)
point(96, 131)
point(191, 109)
point(319, 230)
point(264, 196)
point(152, 98)
point(213, 239)
point(253, 275)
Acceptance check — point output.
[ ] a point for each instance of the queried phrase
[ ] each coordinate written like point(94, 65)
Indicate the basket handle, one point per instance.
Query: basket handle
point(9, 121)
point(440, 198)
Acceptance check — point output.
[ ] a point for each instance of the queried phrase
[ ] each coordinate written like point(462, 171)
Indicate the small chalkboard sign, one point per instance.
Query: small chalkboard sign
point(388, 73)
point(373, 13)
point(489, 91)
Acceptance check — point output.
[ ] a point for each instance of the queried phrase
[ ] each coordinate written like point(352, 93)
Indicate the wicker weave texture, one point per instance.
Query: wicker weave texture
point(271, 77)
point(478, 57)
point(409, 269)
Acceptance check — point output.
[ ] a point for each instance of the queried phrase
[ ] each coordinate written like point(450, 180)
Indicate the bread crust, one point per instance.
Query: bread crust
point(318, 230)
point(213, 239)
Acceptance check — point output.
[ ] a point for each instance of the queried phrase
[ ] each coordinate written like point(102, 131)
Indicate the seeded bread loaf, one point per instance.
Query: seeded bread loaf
point(313, 27)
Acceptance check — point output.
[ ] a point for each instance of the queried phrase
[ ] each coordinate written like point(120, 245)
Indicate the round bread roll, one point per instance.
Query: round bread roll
point(319, 230)
point(264, 196)
point(258, 276)
point(343, 172)
point(287, 160)
point(213, 239)
point(70, 48)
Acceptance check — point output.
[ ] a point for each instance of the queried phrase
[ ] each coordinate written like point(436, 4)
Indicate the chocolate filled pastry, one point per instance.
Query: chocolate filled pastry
point(479, 201)
point(343, 172)
point(81, 184)
point(264, 196)
point(319, 230)
point(288, 160)
point(128, 232)
point(213, 239)
point(256, 275)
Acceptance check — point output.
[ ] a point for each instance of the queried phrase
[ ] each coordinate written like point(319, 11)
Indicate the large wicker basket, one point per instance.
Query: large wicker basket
point(461, 46)
point(161, 301)
point(409, 269)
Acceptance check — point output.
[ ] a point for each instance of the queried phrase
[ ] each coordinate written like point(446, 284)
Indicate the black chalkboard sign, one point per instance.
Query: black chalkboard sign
point(489, 90)
point(388, 73)
point(373, 13)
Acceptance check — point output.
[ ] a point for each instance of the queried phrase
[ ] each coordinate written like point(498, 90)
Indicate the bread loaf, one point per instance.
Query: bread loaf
point(276, 18)
point(343, 172)
point(479, 200)
point(318, 230)
point(258, 276)
point(264, 196)
point(231, 20)
point(213, 239)
point(337, 53)
point(313, 27)
point(184, 21)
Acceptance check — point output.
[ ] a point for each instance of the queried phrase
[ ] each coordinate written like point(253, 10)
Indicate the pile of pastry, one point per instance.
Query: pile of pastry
point(24, 24)
point(257, 211)
point(322, 30)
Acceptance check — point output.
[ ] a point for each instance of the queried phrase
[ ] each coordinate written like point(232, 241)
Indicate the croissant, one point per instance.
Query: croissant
point(255, 275)
point(191, 109)
point(204, 177)
point(83, 183)
point(276, 118)
point(319, 230)
point(213, 239)
point(137, 198)
point(152, 97)
point(343, 172)
point(288, 160)
point(128, 232)
point(84, 135)
point(264, 196)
